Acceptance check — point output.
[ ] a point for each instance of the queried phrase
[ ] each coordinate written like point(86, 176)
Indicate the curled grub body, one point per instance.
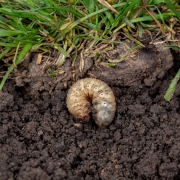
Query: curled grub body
point(94, 96)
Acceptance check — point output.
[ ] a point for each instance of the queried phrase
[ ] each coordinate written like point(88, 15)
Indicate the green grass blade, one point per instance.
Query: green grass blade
point(149, 18)
point(21, 56)
point(10, 33)
point(172, 47)
point(170, 5)
point(75, 23)
point(172, 87)
point(126, 20)
point(9, 44)
point(140, 30)
point(5, 52)
point(128, 7)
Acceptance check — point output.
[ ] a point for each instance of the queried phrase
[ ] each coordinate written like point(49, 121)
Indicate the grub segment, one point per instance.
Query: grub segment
point(91, 95)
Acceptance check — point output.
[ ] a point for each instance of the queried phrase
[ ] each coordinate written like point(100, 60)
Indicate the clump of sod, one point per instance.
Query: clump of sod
point(66, 25)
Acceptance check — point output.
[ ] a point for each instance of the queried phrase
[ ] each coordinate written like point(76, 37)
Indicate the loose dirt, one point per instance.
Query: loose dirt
point(40, 139)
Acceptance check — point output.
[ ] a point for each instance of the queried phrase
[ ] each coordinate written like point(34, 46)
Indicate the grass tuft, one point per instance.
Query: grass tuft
point(67, 25)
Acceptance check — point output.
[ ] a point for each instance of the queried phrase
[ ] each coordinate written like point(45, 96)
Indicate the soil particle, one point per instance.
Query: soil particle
point(168, 170)
point(150, 162)
point(6, 100)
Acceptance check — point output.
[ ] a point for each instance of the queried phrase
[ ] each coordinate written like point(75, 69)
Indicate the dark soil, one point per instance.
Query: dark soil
point(39, 139)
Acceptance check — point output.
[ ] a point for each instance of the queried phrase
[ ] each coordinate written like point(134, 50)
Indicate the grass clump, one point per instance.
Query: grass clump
point(66, 25)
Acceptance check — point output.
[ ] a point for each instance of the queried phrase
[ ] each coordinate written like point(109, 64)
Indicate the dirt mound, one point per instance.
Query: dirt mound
point(147, 64)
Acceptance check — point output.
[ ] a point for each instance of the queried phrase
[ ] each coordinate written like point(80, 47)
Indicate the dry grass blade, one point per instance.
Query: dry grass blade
point(81, 66)
point(151, 14)
point(39, 59)
point(106, 4)
point(15, 56)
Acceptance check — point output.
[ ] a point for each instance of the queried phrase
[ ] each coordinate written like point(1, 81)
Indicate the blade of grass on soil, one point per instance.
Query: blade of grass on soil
point(20, 58)
point(172, 87)
point(172, 47)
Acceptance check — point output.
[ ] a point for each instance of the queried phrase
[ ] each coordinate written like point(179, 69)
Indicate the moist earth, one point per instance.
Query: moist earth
point(40, 139)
